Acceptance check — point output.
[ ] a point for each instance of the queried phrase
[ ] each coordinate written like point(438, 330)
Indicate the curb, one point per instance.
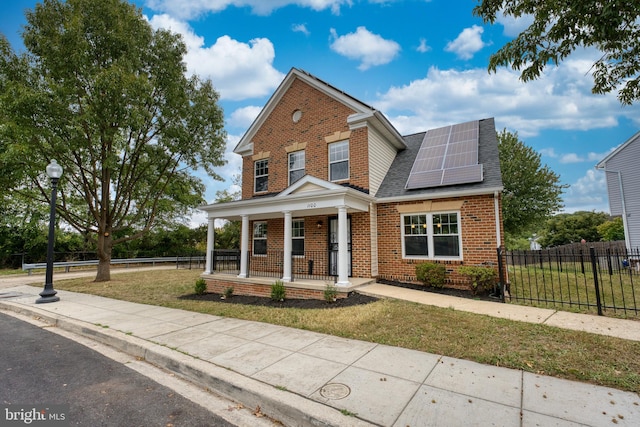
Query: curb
point(289, 408)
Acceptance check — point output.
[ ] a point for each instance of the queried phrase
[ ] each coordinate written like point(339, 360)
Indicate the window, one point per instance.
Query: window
point(339, 161)
point(259, 238)
point(297, 237)
point(261, 175)
point(296, 166)
point(415, 236)
point(446, 239)
point(431, 236)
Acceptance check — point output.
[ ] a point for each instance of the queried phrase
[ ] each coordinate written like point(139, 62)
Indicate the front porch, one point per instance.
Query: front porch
point(218, 282)
point(303, 232)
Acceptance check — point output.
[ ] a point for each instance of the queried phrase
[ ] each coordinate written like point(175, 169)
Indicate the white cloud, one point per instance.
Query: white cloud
point(514, 26)
point(189, 9)
point(589, 193)
point(566, 158)
point(468, 42)
point(238, 70)
point(243, 117)
point(300, 28)
point(371, 49)
point(424, 47)
point(560, 99)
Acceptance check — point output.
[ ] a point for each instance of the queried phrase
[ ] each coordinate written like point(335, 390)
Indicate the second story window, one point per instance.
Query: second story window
point(339, 161)
point(261, 175)
point(296, 166)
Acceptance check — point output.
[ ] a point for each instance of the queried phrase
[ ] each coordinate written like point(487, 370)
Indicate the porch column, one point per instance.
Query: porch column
point(343, 252)
point(244, 246)
point(208, 269)
point(286, 273)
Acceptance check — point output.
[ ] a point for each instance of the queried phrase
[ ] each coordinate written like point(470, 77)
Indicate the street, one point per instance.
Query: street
point(38, 367)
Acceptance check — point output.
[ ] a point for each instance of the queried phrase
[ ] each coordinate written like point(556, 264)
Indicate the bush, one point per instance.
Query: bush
point(482, 278)
point(330, 293)
point(228, 292)
point(201, 286)
point(278, 291)
point(431, 274)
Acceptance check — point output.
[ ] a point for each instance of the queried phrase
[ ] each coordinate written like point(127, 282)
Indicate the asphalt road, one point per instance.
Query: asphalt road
point(41, 367)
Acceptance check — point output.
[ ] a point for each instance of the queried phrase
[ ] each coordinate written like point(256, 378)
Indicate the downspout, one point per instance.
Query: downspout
point(496, 207)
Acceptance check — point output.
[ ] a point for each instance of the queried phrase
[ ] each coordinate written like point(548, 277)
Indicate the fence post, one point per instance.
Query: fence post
point(594, 267)
point(501, 273)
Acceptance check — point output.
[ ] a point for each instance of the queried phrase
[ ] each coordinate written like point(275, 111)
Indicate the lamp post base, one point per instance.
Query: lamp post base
point(48, 295)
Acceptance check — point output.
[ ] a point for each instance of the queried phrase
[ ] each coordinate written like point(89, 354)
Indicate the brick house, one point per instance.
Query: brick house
point(331, 192)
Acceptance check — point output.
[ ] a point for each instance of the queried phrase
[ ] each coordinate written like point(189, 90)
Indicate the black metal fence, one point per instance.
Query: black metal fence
point(312, 265)
point(603, 280)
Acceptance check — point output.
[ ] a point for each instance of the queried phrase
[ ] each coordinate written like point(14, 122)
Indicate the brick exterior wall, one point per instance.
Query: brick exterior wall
point(324, 120)
point(322, 117)
point(264, 290)
point(477, 225)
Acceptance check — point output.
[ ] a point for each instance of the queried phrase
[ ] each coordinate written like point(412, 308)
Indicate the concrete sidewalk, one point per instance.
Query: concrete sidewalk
point(306, 378)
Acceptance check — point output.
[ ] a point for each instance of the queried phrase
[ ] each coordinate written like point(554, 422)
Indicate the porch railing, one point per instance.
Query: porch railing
point(311, 265)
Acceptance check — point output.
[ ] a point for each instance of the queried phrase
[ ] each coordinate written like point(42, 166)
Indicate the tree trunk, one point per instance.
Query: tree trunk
point(105, 245)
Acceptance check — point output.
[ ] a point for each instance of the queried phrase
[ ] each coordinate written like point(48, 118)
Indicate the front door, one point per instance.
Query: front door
point(333, 245)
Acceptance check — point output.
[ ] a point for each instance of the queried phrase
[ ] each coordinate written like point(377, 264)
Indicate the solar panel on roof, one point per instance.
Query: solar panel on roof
point(447, 156)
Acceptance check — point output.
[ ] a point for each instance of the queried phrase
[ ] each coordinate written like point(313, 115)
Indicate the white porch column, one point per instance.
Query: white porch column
point(208, 269)
point(286, 273)
point(244, 246)
point(343, 252)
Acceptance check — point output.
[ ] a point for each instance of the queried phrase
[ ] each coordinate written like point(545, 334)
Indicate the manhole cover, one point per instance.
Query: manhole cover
point(7, 295)
point(335, 391)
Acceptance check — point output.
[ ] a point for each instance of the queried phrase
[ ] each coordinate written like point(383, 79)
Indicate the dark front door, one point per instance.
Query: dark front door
point(333, 245)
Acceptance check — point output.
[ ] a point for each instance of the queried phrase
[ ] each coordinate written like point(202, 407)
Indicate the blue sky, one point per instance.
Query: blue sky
point(421, 62)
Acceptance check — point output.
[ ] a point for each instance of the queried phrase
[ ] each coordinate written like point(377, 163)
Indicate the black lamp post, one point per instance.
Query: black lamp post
point(54, 171)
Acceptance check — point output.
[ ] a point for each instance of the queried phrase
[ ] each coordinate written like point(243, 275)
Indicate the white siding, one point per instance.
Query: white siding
point(381, 155)
point(626, 162)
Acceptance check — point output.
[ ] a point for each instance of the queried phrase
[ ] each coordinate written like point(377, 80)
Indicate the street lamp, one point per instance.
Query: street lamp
point(54, 171)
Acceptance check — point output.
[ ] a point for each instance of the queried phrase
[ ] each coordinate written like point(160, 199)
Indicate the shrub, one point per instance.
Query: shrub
point(201, 286)
point(330, 293)
point(482, 278)
point(431, 274)
point(278, 291)
point(228, 292)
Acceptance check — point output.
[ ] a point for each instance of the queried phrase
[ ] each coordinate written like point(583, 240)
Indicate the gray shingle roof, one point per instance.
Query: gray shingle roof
point(394, 182)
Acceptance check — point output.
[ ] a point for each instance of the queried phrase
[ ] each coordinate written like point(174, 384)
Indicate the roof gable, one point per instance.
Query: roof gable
point(363, 113)
point(603, 163)
point(308, 183)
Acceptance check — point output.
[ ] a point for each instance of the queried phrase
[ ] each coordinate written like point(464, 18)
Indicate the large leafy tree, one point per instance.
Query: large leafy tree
point(568, 228)
point(108, 97)
point(532, 191)
point(560, 27)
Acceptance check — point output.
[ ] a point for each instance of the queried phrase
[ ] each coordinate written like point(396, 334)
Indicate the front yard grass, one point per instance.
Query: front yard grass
point(542, 349)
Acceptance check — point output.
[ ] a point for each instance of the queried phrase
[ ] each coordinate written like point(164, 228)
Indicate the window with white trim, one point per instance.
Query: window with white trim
point(431, 236)
point(296, 166)
point(339, 161)
point(259, 238)
point(297, 237)
point(261, 175)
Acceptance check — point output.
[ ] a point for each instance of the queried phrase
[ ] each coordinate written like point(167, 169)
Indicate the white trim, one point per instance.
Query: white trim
point(440, 195)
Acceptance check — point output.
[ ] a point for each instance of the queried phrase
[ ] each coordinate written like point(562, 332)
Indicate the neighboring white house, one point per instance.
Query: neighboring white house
point(623, 187)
